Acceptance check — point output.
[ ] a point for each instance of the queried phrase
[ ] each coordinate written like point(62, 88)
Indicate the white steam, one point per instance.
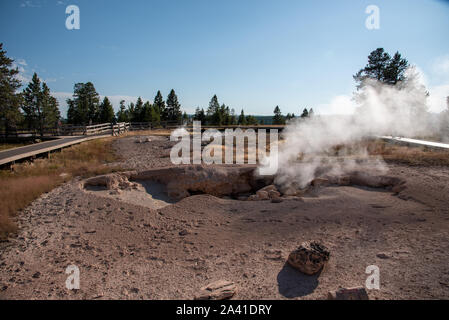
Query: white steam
point(399, 110)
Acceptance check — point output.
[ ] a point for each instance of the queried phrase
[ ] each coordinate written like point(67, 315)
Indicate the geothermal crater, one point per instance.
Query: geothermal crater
point(158, 188)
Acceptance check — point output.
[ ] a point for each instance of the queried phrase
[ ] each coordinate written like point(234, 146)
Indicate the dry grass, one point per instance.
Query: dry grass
point(154, 132)
point(413, 156)
point(31, 179)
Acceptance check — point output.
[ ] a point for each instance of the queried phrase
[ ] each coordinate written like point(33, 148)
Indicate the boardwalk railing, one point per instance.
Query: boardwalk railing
point(103, 128)
point(77, 130)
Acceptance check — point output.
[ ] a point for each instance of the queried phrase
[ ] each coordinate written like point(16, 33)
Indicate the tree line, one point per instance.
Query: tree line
point(86, 108)
point(223, 115)
point(220, 115)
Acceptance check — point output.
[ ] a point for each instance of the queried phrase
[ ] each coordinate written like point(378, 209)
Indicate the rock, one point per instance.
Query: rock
point(276, 200)
point(113, 181)
point(358, 293)
point(273, 194)
point(262, 195)
point(253, 197)
point(183, 232)
point(310, 257)
point(218, 290)
point(269, 188)
point(382, 255)
point(289, 191)
point(36, 275)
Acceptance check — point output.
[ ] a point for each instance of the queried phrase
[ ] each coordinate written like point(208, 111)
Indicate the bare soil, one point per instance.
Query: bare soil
point(131, 247)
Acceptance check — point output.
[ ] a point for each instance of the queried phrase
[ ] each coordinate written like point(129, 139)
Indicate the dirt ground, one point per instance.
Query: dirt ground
point(129, 251)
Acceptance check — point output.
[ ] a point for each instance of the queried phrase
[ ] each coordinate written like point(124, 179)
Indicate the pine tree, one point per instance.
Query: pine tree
point(395, 70)
point(131, 112)
point(278, 117)
point(242, 119)
point(39, 107)
point(200, 115)
point(173, 109)
point(10, 101)
point(251, 120)
point(159, 105)
point(138, 110)
point(311, 113)
point(213, 111)
point(84, 106)
point(146, 112)
point(233, 119)
point(305, 113)
point(185, 118)
point(227, 117)
point(383, 68)
point(50, 108)
point(32, 105)
point(155, 116)
point(106, 111)
point(122, 114)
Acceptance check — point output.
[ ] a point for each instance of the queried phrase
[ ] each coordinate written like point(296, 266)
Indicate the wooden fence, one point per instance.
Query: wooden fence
point(77, 130)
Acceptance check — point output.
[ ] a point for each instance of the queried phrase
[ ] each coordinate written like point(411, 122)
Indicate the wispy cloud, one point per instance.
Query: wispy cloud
point(23, 75)
point(31, 4)
point(21, 62)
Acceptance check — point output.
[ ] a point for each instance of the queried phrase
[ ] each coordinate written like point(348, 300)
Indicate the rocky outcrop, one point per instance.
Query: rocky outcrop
point(310, 257)
point(112, 181)
point(269, 192)
point(183, 181)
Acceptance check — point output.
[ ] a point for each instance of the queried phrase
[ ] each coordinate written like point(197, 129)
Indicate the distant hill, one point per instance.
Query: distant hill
point(264, 119)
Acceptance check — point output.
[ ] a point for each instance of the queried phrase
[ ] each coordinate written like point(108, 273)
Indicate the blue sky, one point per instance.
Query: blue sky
point(254, 54)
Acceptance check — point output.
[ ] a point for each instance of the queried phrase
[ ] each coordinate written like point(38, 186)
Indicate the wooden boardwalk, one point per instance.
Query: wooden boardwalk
point(11, 155)
point(416, 143)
